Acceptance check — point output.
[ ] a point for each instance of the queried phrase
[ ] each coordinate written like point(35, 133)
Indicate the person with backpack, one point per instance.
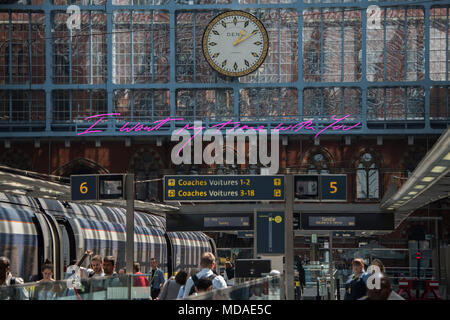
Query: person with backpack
point(207, 263)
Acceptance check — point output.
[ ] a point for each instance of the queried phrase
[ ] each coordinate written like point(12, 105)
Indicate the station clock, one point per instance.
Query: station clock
point(235, 43)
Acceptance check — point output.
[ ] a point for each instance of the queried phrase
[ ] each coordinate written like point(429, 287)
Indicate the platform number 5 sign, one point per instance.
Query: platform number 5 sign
point(373, 17)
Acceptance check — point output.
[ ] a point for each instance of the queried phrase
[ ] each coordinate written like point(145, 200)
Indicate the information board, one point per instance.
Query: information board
point(323, 187)
point(328, 221)
point(269, 232)
point(223, 188)
point(83, 187)
point(209, 222)
point(333, 187)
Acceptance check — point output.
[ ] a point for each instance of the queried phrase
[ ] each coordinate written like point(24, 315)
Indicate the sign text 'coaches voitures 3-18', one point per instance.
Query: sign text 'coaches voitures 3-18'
point(223, 188)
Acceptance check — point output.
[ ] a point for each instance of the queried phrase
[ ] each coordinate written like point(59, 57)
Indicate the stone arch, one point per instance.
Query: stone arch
point(80, 166)
point(356, 157)
point(328, 157)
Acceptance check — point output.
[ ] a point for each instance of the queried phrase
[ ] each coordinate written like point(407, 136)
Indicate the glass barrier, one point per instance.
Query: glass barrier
point(125, 287)
point(268, 288)
point(132, 287)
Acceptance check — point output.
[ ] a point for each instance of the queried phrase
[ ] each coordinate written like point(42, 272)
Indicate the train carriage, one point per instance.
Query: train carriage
point(63, 231)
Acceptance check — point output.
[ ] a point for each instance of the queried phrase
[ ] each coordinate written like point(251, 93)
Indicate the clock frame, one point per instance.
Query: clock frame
point(250, 68)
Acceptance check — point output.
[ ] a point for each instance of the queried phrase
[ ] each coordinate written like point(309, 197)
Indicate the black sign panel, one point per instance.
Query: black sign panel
point(252, 268)
point(333, 187)
point(350, 221)
point(83, 187)
point(269, 232)
point(214, 222)
point(223, 188)
point(324, 187)
point(209, 222)
point(331, 221)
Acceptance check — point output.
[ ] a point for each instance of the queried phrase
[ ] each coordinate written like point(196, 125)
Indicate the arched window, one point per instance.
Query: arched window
point(367, 178)
point(318, 163)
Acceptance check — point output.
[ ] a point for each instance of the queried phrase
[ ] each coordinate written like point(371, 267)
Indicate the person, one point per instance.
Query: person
point(207, 263)
point(46, 290)
point(156, 279)
point(355, 287)
point(109, 266)
point(193, 272)
point(379, 264)
point(139, 281)
point(172, 286)
point(385, 291)
point(47, 272)
point(301, 275)
point(96, 269)
point(122, 271)
point(229, 271)
point(7, 280)
point(203, 285)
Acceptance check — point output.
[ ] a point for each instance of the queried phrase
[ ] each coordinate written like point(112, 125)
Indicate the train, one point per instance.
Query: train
point(33, 230)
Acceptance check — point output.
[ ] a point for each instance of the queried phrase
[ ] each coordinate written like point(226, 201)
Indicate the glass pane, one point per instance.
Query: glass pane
point(373, 183)
point(439, 102)
point(395, 103)
point(438, 43)
point(361, 184)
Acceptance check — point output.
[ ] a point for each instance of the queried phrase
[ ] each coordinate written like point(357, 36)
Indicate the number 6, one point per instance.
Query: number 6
point(83, 188)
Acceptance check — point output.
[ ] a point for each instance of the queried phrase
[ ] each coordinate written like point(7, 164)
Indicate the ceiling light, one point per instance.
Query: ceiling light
point(428, 179)
point(419, 186)
point(438, 169)
point(405, 198)
point(412, 192)
point(447, 157)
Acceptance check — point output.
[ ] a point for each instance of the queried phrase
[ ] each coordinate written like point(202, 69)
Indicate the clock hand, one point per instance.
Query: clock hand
point(243, 32)
point(239, 40)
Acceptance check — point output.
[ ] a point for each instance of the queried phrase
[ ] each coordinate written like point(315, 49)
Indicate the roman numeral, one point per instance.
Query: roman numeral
point(224, 24)
point(246, 23)
point(215, 55)
point(235, 21)
point(255, 54)
point(224, 63)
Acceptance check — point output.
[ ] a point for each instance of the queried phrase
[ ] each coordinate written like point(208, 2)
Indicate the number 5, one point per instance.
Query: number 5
point(333, 187)
point(83, 188)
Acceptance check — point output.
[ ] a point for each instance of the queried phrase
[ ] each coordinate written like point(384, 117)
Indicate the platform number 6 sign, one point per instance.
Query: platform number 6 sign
point(373, 17)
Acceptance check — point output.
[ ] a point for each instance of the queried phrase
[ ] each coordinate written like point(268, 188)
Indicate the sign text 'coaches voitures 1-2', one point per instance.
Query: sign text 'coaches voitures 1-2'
point(223, 188)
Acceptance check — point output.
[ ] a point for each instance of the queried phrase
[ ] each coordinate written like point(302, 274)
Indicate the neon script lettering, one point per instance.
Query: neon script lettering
point(235, 126)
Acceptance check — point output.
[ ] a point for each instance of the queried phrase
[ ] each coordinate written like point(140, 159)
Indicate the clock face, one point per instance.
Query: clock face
point(235, 43)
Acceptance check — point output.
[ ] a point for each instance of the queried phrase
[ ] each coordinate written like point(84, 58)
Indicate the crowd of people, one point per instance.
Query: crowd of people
point(102, 274)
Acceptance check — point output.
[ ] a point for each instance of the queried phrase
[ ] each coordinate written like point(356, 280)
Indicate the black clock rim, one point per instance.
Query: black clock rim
point(257, 64)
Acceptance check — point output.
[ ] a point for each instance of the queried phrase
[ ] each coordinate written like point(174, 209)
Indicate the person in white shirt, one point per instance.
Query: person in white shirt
point(207, 263)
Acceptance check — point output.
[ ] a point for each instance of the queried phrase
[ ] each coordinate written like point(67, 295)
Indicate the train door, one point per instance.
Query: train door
point(68, 243)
